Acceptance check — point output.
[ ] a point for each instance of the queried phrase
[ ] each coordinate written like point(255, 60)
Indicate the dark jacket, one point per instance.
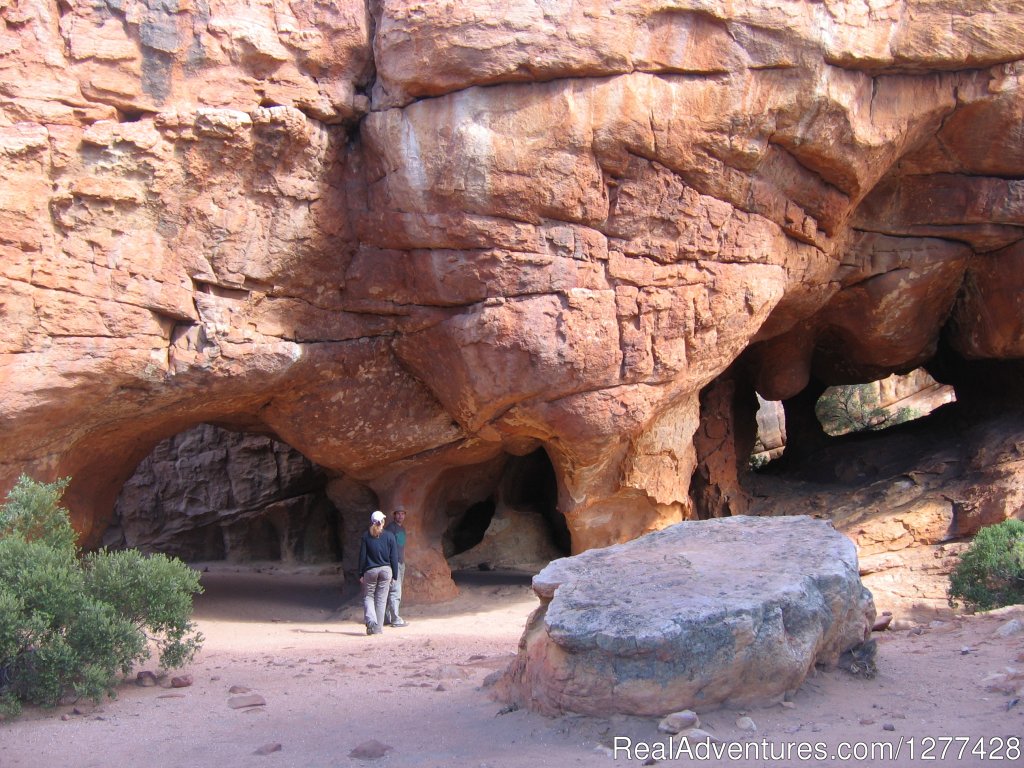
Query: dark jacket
point(374, 553)
point(399, 531)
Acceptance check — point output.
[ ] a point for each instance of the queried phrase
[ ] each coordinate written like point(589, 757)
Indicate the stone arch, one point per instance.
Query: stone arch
point(505, 502)
point(530, 481)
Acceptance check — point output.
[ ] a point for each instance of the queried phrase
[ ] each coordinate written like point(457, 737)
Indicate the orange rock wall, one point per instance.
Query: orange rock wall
point(407, 237)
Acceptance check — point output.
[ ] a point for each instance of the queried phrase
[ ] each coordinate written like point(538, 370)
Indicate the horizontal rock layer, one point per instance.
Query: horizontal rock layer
point(412, 239)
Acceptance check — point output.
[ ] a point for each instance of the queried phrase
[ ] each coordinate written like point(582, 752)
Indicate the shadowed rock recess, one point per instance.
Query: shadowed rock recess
point(416, 242)
point(733, 612)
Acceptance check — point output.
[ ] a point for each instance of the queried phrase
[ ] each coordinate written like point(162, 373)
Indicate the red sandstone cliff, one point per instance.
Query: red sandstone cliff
point(409, 238)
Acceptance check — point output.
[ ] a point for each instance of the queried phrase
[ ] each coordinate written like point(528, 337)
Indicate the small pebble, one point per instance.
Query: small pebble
point(246, 700)
point(370, 750)
point(746, 724)
point(679, 721)
point(1010, 628)
point(699, 735)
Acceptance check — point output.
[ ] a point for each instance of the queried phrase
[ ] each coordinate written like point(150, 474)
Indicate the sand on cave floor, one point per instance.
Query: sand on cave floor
point(298, 642)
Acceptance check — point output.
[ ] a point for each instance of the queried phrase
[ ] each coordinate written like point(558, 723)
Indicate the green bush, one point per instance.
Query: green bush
point(70, 624)
point(855, 408)
point(990, 573)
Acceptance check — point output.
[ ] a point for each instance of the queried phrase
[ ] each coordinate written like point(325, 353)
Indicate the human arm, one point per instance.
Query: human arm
point(393, 557)
point(362, 557)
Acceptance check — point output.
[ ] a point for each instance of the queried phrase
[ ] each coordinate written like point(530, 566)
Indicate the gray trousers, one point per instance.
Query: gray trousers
point(395, 596)
point(376, 582)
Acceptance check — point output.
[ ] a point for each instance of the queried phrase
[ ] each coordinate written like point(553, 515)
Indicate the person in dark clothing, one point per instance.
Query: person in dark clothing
point(378, 567)
point(397, 527)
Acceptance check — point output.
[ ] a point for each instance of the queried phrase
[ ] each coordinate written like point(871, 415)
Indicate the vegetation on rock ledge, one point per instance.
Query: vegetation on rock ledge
point(990, 573)
point(855, 408)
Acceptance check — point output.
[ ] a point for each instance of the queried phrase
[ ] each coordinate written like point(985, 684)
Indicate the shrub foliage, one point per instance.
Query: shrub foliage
point(855, 408)
point(990, 573)
point(69, 624)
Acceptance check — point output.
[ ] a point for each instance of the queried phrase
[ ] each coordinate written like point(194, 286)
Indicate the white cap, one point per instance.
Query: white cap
point(377, 517)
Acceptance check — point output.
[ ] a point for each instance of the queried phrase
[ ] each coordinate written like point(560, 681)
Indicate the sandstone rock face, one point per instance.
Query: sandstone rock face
point(515, 538)
point(410, 239)
point(771, 429)
point(734, 611)
point(209, 494)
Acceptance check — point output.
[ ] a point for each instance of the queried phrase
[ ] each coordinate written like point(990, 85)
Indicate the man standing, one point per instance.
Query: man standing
point(397, 527)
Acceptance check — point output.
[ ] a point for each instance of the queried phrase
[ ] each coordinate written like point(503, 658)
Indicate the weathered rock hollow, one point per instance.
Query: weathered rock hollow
point(412, 240)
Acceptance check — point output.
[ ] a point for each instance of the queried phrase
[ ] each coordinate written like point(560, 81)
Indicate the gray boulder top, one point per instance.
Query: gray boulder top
point(633, 597)
point(733, 610)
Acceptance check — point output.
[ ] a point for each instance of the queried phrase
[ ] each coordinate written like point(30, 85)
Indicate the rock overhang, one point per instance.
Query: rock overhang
point(561, 248)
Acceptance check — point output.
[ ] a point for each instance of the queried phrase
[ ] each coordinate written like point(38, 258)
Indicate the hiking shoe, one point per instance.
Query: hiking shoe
point(399, 622)
point(377, 630)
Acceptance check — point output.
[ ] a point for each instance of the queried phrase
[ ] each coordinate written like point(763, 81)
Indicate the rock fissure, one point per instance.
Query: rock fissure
point(933, 234)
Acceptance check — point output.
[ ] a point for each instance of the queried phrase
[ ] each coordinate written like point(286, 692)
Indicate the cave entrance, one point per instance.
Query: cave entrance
point(516, 525)
point(210, 494)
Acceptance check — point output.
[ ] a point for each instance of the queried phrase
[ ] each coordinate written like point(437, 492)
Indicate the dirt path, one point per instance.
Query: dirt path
point(329, 688)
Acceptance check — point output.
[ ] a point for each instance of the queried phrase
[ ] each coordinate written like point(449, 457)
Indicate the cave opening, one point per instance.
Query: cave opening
point(843, 409)
point(468, 530)
point(880, 404)
point(514, 523)
point(211, 494)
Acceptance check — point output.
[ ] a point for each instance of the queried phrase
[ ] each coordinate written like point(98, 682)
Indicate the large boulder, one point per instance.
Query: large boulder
point(735, 611)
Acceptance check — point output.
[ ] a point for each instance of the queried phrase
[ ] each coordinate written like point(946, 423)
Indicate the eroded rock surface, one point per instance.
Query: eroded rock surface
point(209, 494)
point(515, 538)
point(734, 611)
point(409, 239)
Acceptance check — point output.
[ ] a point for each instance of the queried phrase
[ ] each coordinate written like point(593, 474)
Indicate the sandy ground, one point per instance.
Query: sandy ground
point(297, 642)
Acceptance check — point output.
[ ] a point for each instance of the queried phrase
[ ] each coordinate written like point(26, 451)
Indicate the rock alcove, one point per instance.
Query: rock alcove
point(410, 243)
point(517, 526)
point(212, 494)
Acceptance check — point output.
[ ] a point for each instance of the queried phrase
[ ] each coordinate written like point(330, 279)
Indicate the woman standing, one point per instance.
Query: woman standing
point(378, 567)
